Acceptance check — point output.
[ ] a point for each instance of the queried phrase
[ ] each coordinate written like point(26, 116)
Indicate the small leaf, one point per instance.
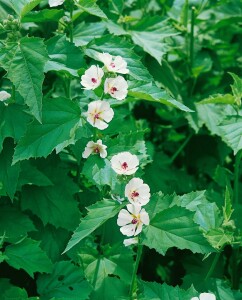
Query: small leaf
point(91, 7)
point(22, 7)
point(27, 255)
point(84, 33)
point(237, 88)
point(218, 99)
point(44, 15)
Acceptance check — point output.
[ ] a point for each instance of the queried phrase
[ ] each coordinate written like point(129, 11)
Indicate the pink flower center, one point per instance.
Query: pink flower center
point(112, 65)
point(94, 80)
point(124, 165)
point(134, 194)
point(96, 116)
point(113, 90)
point(96, 150)
point(134, 221)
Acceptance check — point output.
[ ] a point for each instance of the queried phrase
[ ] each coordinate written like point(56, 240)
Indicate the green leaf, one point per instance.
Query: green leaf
point(155, 291)
point(15, 293)
point(22, 7)
point(44, 15)
point(223, 99)
point(91, 8)
point(84, 33)
point(9, 217)
point(237, 88)
point(65, 282)
point(8, 174)
point(13, 122)
point(174, 227)
point(108, 43)
point(150, 34)
point(64, 56)
point(97, 215)
point(218, 238)
point(60, 117)
point(24, 62)
point(149, 91)
point(116, 260)
point(54, 205)
point(27, 255)
point(231, 132)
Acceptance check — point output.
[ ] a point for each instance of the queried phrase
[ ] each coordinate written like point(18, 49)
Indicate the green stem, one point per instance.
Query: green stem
point(133, 280)
point(236, 176)
point(96, 273)
point(13, 92)
point(183, 145)
point(71, 23)
point(192, 37)
point(214, 263)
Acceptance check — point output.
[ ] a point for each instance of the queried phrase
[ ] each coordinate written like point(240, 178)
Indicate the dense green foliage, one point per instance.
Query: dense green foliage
point(182, 118)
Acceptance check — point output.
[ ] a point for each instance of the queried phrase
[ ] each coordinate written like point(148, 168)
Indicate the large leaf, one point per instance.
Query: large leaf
point(91, 7)
point(97, 215)
point(149, 91)
point(53, 204)
point(83, 33)
point(118, 46)
point(60, 117)
point(22, 7)
point(174, 227)
point(24, 62)
point(231, 132)
point(116, 260)
point(8, 174)
point(15, 293)
point(64, 56)
point(155, 291)
point(65, 282)
point(44, 15)
point(150, 34)
point(13, 122)
point(27, 255)
point(9, 217)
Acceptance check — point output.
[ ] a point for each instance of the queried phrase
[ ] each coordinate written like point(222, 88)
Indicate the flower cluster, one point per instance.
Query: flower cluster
point(99, 114)
point(137, 192)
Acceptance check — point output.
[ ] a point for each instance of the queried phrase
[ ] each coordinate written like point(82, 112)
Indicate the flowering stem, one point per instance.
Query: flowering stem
point(192, 37)
point(236, 176)
point(133, 280)
point(214, 263)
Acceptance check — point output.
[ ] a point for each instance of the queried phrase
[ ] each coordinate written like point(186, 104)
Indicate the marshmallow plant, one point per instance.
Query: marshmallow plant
point(205, 296)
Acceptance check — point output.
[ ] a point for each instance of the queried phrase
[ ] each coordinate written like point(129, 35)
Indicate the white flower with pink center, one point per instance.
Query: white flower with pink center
point(132, 219)
point(114, 63)
point(53, 3)
point(99, 114)
point(96, 148)
point(4, 95)
point(125, 163)
point(205, 296)
point(92, 78)
point(137, 191)
point(131, 241)
point(116, 87)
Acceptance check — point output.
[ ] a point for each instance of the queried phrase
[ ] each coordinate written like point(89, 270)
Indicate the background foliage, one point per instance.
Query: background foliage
point(182, 118)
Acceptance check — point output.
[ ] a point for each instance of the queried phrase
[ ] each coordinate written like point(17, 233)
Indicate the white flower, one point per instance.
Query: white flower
point(92, 78)
point(99, 114)
point(137, 191)
point(116, 87)
point(205, 296)
point(97, 147)
point(132, 241)
point(132, 219)
point(114, 63)
point(4, 95)
point(53, 3)
point(125, 163)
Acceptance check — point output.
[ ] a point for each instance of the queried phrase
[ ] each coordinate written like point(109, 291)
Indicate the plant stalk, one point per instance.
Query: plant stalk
point(236, 176)
point(192, 37)
point(183, 145)
point(133, 280)
point(214, 263)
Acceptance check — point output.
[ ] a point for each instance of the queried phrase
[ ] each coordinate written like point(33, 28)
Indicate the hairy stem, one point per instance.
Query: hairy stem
point(133, 280)
point(183, 145)
point(236, 176)
point(213, 265)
